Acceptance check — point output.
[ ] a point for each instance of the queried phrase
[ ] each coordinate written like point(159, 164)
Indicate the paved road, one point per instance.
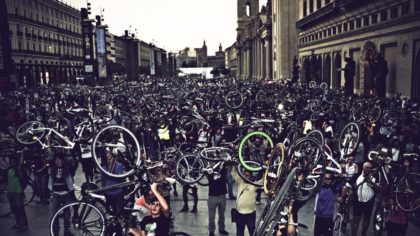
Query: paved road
point(194, 224)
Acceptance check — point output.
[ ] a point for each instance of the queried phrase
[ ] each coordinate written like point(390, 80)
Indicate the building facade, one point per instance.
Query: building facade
point(46, 41)
point(331, 30)
point(284, 16)
point(231, 59)
point(254, 41)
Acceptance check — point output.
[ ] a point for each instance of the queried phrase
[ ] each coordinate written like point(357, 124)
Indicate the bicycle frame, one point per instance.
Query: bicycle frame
point(70, 144)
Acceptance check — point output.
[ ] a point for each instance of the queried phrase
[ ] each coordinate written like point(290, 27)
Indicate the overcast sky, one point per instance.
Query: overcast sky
point(172, 24)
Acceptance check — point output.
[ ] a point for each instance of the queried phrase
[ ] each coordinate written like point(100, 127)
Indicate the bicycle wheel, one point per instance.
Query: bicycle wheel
point(84, 127)
point(337, 225)
point(251, 177)
point(215, 154)
point(407, 193)
point(29, 132)
point(275, 172)
point(189, 169)
point(317, 135)
point(255, 147)
point(4, 204)
point(375, 113)
point(234, 99)
point(307, 154)
point(349, 139)
point(29, 193)
point(78, 218)
point(123, 145)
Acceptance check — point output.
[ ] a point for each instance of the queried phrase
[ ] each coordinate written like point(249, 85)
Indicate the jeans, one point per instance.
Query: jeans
point(57, 202)
point(185, 189)
point(41, 186)
point(247, 220)
point(218, 202)
point(229, 181)
point(323, 226)
point(18, 209)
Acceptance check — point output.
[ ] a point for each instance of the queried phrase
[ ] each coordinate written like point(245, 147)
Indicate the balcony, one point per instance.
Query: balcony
point(316, 16)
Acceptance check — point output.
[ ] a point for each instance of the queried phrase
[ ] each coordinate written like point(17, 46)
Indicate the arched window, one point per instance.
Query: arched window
point(248, 9)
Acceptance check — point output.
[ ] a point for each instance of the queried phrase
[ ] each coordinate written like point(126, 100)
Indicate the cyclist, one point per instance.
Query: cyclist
point(324, 207)
point(158, 222)
point(114, 197)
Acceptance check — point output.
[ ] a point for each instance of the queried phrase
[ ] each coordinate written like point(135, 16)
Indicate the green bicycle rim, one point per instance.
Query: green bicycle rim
point(241, 145)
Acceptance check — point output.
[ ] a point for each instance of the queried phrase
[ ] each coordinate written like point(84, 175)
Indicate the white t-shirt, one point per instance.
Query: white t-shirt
point(364, 192)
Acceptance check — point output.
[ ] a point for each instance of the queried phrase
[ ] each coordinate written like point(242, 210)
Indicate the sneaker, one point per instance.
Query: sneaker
point(222, 231)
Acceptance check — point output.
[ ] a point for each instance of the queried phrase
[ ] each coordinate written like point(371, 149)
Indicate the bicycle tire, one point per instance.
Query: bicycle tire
point(405, 191)
point(308, 164)
point(75, 225)
point(271, 183)
point(241, 147)
point(257, 176)
point(337, 225)
point(317, 135)
point(123, 150)
point(234, 105)
point(88, 128)
point(378, 222)
point(26, 135)
point(265, 219)
point(349, 134)
point(29, 193)
point(189, 169)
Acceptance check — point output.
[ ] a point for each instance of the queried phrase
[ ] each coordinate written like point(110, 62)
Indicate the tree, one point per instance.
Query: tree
point(295, 71)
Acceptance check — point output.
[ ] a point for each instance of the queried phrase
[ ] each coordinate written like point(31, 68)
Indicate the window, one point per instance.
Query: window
point(394, 12)
point(358, 22)
point(405, 8)
point(311, 6)
point(339, 28)
point(305, 8)
point(318, 4)
point(34, 47)
point(384, 15)
point(18, 27)
point(27, 46)
point(20, 45)
point(334, 30)
point(329, 32)
point(16, 11)
point(325, 33)
point(345, 27)
point(416, 5)
point(366, 20)
point(351, 25)
point(40, 48)
point(374, 18)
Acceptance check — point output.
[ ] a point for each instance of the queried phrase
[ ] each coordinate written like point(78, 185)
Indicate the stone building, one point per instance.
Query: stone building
point(254, 41)
point(284, 17)
point(231, 59)
point(331, 30)
point(218, 60)
point(46, 41)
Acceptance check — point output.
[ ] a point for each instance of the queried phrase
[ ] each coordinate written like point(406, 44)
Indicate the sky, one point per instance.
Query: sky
point(171, 24)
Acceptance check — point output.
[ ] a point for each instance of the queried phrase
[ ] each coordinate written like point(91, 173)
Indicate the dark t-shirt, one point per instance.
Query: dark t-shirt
point(218, 187)
point(158, 226)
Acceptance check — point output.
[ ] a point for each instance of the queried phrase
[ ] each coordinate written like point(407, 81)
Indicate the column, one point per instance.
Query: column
point(257, 58)
point(268, 58)
point(263, 56)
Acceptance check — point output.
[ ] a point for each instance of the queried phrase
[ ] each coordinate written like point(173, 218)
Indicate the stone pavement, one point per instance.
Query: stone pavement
point(192, 223)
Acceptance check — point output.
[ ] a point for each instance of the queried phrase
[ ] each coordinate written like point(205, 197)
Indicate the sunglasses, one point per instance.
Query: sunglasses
point(155, 204)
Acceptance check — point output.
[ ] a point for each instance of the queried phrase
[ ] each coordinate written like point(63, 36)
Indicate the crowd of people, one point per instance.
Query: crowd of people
point(54, 177)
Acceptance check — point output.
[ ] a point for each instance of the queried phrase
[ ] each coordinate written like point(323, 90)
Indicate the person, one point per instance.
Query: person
point(158, 222)
point(15, 194)
point(324, 207)
point(88, 164)
point(185, 188)
point(349, 72)
point(40, 169)
point(365, 198)
point(217, 201)
point(380, 75)
point(245, 204)
point(114, 197)
point(61, 185)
